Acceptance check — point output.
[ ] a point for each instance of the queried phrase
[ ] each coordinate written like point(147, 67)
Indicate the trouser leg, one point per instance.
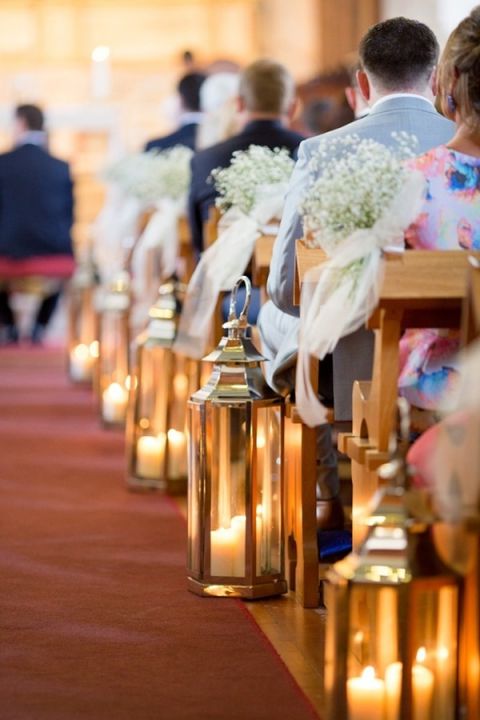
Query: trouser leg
point(6, 314)
point(328, 484)
point(47, 308)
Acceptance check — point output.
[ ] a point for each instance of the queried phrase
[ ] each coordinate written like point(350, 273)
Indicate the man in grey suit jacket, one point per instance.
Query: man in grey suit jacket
point(398, 59)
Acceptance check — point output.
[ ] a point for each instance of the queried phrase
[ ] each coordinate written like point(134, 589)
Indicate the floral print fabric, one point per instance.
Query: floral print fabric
point(450, 220)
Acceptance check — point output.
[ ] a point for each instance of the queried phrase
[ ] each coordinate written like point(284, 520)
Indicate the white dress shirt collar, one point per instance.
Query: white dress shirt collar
point(393, 96)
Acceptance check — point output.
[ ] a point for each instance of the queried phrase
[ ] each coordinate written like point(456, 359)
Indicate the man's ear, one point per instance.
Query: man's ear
point(433, 82)
point(241, 107)
point(293, 109)
point(351, 96)
point(364, 85)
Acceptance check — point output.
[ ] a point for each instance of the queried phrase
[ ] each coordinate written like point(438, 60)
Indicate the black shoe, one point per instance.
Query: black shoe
point(38, 333)
point(330, 514)
point(9, 335)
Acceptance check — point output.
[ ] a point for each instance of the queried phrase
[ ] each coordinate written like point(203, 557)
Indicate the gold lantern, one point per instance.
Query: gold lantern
point(82, 339)
point(113, 364)
point(392, 630)
point(235, 539)
point(160, 387)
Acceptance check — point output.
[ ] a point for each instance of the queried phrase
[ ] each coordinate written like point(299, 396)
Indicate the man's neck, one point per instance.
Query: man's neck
point(251, 116)
point(32, 137)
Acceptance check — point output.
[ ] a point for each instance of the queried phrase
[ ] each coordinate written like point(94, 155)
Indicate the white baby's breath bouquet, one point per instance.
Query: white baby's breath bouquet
point(361, 200)
point(151, 176)
point(358, 181)
point(169, 174)
point(238, 184)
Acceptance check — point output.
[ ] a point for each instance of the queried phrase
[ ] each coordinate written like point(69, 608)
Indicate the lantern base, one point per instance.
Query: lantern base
point(246, 592)
point(177, 486)
point(137, 484)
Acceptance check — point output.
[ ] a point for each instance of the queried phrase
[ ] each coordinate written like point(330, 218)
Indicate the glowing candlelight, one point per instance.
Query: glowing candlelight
point(177, 454)
point(114, 403)
point(150, 451)
point(366, 696)
point(422, 687)
point(81, 363)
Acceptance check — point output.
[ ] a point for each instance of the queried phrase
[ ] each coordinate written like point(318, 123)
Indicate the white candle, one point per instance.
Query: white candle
point(81, 363)
point(366, 696)
point(222, 544)
point(422, 688)
point(177, 454)
point(393, 690)
point(114, 403)
point(101, 80)
point(239, 524)
point(150, 450)
point(259, 527)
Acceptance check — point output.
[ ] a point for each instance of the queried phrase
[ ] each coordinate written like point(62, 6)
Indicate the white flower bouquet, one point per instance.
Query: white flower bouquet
point(251, 170)
point(251, 194)
point(154, 175)
point(361, 201)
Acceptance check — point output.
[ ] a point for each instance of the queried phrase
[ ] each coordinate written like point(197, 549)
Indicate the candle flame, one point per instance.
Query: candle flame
point(421, 655)
point(369, 673)
point(94, 349)
point(80, 351)
point(443, 653)
point(180, 384)
point(175, 436)
point(100, 53)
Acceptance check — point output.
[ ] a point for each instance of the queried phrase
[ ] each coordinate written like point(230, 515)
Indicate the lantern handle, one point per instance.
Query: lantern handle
point(232, 312)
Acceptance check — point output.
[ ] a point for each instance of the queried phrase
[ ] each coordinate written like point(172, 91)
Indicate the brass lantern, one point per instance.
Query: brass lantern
point(235, 540)
point(392, 631)
point(82, 339)
point(160, 387)
point(113, 364)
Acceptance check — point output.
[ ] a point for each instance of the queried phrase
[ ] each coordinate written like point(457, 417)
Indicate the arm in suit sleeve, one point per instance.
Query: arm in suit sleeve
point(282, 267)
point(194, 211)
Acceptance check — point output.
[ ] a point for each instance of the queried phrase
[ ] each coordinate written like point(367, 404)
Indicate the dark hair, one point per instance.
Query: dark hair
point(189, 90)
point(399, 53)
point(461, 61)
point(31, 115)
point(266, 86)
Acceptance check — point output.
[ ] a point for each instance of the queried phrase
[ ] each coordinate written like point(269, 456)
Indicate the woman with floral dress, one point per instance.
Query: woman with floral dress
point(450, 219)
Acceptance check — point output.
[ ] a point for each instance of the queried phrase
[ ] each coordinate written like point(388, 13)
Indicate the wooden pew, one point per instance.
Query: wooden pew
point(420, 289)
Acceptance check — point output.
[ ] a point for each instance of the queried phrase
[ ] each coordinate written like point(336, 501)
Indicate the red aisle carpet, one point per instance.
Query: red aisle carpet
point(95, 620)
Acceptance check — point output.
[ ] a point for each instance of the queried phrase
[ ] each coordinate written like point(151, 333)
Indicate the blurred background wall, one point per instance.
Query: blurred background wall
point(105, 70)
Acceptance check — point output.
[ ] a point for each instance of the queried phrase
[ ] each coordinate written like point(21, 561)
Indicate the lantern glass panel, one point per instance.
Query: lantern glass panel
point(82, 341)
point(114, 348)
point(194, 489)
point(155, 364)
point(268, 451)
point(229, 424)
point(382, 643)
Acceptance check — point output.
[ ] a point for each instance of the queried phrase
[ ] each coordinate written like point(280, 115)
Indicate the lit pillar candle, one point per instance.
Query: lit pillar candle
point(393, 690)
point(366, 696)
point(239, 524)
point(81, 363)
point(222, 543)
point(114, 403)
point(149, 456)
point(177, 454)
point(422, 688)
point(101, 80)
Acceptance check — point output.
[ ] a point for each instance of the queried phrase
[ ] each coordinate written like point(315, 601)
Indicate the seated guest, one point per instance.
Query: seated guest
point(450, 219)
point(218, 97)
point(36, 215)
point(188, 90)
point(267, 99)
point(398, 59)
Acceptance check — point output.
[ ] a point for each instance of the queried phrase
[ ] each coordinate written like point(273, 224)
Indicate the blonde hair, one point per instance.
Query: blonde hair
point(266, 86)
point(461, 60)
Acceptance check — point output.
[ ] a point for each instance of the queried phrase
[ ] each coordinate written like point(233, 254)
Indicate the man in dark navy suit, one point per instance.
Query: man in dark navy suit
point(267, 99)
point(188, 90)
point(36, 212)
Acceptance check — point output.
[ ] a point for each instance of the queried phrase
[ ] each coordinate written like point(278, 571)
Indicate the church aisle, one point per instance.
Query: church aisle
point(95, 618)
